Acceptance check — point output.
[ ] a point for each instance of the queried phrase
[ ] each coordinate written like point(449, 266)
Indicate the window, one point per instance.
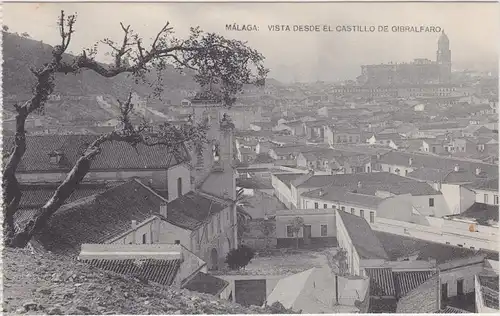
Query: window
point(486, 198)
point(431, 202)
point(334, 207)
point(352, 210)
point(389, 169)
point(406, 172)
point(177, 242)
point(496, 199)
point(342, 208)
point(316, 205)
point(179, 187)
point(144, 238)
point(324, 230)
point(372, 217)
point(325, 206)
point(289, 231)
point(362, 213)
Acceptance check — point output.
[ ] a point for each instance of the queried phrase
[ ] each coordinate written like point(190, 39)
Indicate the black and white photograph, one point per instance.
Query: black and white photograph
point(250, 158)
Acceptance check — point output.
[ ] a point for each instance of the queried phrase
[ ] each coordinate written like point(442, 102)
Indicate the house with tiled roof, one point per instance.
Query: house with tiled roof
point(164, 264)
point(385, 139)
point(132, 213)
point(49, 158)
point(295, 128)
point(342, 135)
point(486, 191)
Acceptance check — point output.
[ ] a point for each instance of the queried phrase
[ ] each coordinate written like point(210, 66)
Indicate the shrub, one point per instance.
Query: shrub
point(240, 257)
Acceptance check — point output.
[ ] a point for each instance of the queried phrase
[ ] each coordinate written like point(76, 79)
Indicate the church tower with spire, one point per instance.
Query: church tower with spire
point(443, 58)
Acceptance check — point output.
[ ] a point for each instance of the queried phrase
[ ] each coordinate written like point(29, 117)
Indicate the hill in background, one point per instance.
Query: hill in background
point(85, 89)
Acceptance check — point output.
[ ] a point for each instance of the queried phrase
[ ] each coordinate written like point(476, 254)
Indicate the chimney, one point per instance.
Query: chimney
point(410, 161)
point(359, 184)
point(133, 226)
point(163, 209)
point(478, 171)
point(456, 168)
point(378, 156)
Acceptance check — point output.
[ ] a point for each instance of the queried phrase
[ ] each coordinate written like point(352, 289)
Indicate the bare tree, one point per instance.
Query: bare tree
point(297, 224)
point(216, 61)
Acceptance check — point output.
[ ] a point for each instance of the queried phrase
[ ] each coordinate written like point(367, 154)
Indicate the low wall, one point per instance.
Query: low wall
point(131, 251)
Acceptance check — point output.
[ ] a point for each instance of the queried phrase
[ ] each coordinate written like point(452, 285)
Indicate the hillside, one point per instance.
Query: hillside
point(20, 53)
point(45, 284)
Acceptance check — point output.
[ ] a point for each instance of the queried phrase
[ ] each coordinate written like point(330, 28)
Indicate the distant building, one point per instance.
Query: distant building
point(417, 72)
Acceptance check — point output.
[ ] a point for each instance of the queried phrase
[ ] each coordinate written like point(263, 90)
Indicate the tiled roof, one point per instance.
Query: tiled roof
point(407, 281)
point(452, 310)
point(368, 179)
point(36, 195)
point(381, 282)
point(485, 184)
point(428, 174)
point(253, 183)
point(263, 158)
point(489, 290)
point(398, 246)
point(101, 217)
point(385, 282)
point(436, 162)
point(461, 176)
point(362, 236)
point(154, 270)
point(206, 283)
point(482, 213)
point(442, 125)
point(192, 209)
point(114, 155)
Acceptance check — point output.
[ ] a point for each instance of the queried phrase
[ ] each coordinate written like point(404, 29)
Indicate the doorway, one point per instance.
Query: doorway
point(444, 292)
point(460, 287)
point(307, 235)
point(214, 259)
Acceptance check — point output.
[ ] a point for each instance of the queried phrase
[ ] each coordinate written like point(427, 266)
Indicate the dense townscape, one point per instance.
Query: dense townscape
point(372, 195)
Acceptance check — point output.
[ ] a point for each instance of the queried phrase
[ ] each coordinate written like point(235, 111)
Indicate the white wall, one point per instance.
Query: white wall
point(179, 171)
point(466, 273)
point(457, 197)
point(315, 220)
point(490, 199)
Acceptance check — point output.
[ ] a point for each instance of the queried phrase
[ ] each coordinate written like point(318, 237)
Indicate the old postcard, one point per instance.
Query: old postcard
point(250, 158)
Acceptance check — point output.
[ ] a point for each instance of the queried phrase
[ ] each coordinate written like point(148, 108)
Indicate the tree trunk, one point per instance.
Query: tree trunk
point(10, 185)
point(62, 193)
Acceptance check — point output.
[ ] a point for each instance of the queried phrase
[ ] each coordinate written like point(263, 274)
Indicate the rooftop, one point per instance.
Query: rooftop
point(362, 236)
point(435, 162)
point(100, 217)
point(398, 247)
point(114, 155)
point(155, 270)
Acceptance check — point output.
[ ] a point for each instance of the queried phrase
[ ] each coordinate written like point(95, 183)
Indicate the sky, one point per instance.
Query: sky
point(473, 30)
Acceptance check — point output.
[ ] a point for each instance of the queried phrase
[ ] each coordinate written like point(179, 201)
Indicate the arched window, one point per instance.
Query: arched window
point(179, 187)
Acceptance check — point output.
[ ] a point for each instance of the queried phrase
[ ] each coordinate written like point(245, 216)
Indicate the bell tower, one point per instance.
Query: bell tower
point(214, 170)
point(443, 58)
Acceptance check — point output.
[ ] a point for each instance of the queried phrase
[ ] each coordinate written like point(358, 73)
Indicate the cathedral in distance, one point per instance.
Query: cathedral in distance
point(419, 71)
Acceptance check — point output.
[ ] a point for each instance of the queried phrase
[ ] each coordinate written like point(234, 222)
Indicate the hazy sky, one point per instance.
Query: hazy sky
point(473, 30)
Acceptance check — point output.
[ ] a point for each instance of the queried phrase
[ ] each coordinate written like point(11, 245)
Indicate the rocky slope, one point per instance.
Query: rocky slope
point(45, 284)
